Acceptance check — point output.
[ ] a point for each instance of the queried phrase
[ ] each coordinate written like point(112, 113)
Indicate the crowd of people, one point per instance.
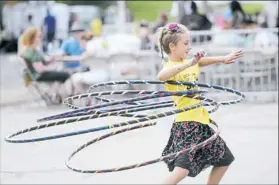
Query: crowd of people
point(42, 68)
point(33, 46)
point(46, 67)
point(234, 17)
point(64, 68)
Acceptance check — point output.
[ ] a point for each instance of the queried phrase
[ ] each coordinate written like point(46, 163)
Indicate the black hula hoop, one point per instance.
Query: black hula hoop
point(193, 147)
point(10, 138)
point(193, 84)
point(81, 114)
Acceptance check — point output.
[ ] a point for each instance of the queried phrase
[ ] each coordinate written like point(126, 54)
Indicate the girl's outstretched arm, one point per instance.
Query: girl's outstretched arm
point(230, 58)
point(166, 74)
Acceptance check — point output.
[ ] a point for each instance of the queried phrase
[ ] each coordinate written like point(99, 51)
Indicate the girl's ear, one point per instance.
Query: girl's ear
point(171, 46)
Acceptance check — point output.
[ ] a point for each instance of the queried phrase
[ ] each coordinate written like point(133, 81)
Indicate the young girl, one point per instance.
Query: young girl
point(190, 127)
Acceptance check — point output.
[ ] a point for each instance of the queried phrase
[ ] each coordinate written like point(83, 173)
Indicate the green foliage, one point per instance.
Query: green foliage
point(252, 8)
point(148, 10)
point(102, 4)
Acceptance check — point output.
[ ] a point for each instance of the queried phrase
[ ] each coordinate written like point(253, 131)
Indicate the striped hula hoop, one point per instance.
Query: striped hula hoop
point(89, 94)
point(93, 112)
point(205, 101)
point(82, 147)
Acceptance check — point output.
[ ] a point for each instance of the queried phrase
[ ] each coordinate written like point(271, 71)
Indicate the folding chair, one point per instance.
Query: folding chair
point(30, 81)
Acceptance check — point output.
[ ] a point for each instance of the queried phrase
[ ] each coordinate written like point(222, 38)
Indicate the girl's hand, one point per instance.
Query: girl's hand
point(197, 57)
point(232, 57)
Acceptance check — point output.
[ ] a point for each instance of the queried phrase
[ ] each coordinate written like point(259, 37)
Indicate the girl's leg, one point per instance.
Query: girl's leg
point(217, 174)
point(220, 168)
point(176, 176)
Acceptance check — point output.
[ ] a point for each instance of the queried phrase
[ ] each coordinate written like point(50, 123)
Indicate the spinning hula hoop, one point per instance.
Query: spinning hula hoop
point(86, 109)
point(82, 114)
point(11, 139)
point(154, 82)
point(154, 94)
point(193, 147)
point(200, 145)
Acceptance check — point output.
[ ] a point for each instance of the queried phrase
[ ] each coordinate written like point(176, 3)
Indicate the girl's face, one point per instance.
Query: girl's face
point(182, 48)
point(38, 38)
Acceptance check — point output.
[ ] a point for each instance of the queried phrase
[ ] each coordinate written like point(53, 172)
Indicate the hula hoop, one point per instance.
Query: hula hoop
point(194, 84)
point(154, 94)
point(10, 138)
point(193, 147)
point(156, 82)
point(151, 105)
point(92, 112)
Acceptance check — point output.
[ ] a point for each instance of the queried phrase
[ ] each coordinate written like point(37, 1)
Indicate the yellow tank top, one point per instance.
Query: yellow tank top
point(190, 74)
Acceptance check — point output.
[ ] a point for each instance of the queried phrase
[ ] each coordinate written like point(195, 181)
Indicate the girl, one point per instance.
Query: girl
point(190, 127)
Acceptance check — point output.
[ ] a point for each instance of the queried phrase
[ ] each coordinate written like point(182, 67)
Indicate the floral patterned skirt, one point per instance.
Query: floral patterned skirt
point(184, 134)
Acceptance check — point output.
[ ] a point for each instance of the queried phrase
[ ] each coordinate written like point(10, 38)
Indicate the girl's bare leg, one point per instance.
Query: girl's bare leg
point(176, 176)
point(216, 175)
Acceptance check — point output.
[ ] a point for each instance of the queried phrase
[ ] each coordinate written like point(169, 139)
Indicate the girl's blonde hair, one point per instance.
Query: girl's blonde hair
point(169, 34)
point(28, 37)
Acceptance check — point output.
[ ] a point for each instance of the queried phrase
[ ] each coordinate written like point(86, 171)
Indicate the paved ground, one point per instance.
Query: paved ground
point(251, 131)
point(12, 85)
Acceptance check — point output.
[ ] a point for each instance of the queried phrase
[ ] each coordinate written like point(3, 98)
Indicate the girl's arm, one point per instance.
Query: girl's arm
point(230, 58)
point(205, 61)
point(167, 73)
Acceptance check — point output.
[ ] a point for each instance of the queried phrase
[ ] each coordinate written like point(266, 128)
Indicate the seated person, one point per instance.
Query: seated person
point(36, 62)
point(99, 72)
point(73, 47)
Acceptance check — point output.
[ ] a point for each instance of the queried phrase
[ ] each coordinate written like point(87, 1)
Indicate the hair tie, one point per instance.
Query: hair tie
point(173, 27)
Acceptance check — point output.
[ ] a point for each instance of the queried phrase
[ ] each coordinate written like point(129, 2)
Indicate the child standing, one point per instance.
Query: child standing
point(190, 127)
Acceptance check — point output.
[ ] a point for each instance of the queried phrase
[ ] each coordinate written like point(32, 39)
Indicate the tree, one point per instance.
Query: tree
point(102, 4)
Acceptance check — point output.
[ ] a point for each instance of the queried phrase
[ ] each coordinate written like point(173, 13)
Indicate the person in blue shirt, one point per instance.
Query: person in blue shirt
point(50, 23)
point(72, 47)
